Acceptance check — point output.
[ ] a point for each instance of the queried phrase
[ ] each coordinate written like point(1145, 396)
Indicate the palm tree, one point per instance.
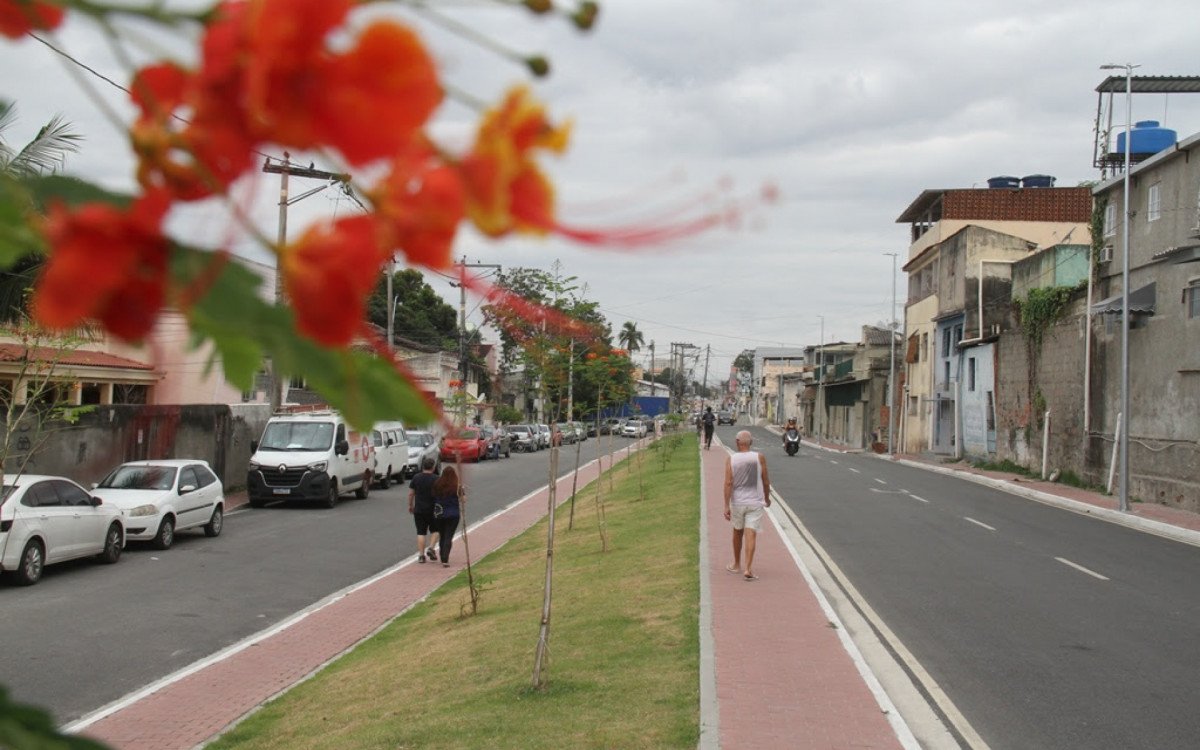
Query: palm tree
point(43, 155)
point(630, 337)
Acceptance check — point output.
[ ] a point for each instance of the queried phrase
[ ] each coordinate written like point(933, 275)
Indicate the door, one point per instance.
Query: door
point(89, 524)
point(46, 516)
point(194, 506)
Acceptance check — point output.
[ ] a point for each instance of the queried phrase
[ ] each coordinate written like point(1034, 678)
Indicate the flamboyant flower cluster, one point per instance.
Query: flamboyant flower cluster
point(291, 73)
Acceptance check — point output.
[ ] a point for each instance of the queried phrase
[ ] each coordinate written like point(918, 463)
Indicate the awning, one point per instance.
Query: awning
point(1141, 301)
point(1180, 254)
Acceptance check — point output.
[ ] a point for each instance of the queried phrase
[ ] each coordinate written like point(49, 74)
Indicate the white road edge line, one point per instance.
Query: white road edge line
point(903, 732)
point(979, 523)
point(253, 639)
point(710, 715)
point(1081, 569)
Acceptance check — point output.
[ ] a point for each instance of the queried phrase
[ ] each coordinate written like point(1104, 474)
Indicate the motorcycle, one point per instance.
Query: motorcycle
point(791, 441)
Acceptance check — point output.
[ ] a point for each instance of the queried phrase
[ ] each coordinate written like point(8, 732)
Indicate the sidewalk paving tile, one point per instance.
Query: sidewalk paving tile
point(784, 680)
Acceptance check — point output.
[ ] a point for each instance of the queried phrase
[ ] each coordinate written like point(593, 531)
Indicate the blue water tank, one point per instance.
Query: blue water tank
point(1037, 181)
point(1148, 138)
point(1004, 182)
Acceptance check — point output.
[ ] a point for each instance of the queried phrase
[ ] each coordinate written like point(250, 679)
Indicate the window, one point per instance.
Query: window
point(1191, 298)
point(957, 334)
point(1154, 202)
point(913, 402)
point(970, 373)
point(188, 478)
point(1110, 219)
point(991, 412)
point(946, 333)
point(924, 345)
point(40, 495)
point(70, 495)
point(204, 476)
point(946, 378)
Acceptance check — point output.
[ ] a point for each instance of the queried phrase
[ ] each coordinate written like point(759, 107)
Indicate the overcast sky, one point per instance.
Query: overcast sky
point(850, 108)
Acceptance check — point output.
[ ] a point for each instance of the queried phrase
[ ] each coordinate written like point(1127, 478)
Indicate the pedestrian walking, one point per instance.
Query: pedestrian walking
point(710, 424)
point(448, 494)
point(420, 505)
point(747, 492)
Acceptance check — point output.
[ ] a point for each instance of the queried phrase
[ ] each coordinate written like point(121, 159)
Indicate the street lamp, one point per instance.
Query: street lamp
point(892, 365)
point(1125, 418)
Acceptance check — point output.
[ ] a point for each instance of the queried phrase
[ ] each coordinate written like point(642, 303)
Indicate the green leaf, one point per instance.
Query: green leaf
point(244, 327)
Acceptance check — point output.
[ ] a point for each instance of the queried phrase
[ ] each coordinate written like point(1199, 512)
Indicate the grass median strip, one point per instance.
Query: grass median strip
point(624, 658)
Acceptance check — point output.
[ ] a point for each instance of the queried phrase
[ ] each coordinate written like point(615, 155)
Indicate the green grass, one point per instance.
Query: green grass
point(624, 653)
point(1005, 466)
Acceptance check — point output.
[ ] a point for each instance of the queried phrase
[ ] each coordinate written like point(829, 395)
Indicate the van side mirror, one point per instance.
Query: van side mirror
point(254, 446)
point(391, 442)
point(342, 448)
point(96, 502)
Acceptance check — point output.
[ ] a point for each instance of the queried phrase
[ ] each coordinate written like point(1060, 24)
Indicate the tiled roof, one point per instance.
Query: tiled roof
point(73, 358)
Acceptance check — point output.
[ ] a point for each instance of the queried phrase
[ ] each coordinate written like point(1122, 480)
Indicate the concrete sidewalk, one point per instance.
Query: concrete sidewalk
point(194, 705)
point(784, 675)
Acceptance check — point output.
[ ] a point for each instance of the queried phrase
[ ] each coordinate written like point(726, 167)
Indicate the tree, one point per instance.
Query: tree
point(744, 362)
point(630, 337)
point(422, 316)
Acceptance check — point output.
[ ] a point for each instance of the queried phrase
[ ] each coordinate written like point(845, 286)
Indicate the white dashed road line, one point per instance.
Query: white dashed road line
point(856, 471)
point(980, 523)
point(1081, 569)
point(832, 462)
point(881, 481)
point(914, 497)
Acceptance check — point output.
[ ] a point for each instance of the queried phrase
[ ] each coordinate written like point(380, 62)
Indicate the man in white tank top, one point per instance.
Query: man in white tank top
point(747, 492)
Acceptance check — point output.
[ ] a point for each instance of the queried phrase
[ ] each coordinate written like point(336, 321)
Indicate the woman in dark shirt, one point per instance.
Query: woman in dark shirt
point(448, 494)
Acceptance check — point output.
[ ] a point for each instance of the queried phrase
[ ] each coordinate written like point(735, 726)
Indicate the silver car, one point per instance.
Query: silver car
point(421, 445)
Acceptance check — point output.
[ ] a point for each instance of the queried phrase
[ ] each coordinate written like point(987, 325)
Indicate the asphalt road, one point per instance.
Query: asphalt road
point(982, 587)
point(88, 634)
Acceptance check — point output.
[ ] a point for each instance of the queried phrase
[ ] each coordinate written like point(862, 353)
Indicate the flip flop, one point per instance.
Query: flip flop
point(731, 569)
point(750, 577)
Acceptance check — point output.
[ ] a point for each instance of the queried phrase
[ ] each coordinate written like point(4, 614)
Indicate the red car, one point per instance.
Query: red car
point(468, 444)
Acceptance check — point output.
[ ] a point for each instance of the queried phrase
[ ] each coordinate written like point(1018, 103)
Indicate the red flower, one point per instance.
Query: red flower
point(106, 263)
point(19, 17)
point(328, 274)
point(506, 191)
point(421, 202)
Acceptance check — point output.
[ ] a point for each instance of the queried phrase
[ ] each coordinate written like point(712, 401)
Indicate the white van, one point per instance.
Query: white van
point(391, 452)
point(309, 456)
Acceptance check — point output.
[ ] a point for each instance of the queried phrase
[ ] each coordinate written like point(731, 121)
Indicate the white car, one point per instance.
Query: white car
point(391, 452)
point(160, 498)
point(634, 427)
point(421, 445)
point(45, 520)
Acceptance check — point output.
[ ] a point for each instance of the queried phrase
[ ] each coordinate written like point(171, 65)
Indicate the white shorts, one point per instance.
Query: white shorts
point(746, 516)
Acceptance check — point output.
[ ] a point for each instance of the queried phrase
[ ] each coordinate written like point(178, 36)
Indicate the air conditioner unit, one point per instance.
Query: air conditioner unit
point(1106, 253)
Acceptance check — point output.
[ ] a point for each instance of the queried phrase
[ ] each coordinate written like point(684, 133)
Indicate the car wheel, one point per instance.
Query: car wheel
point(364, 489)
point(215, 523)
point(166, 534)
point(385, 480)
point(112, 544)
point(332, 500)
point(33, 562)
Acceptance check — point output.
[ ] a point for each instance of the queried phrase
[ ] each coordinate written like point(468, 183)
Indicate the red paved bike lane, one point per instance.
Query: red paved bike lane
point(783, 677)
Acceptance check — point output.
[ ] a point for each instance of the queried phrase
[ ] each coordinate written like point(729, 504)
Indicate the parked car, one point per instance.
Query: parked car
point(464, 444)
point(726, 417)
point(46, 520)
point(524, 438)
point(158, 499)
point(581, 433)
point(390, 441)
point(634, 427)
point(543, 435)
point(567, 430)
point(499, 442)
point(309, 456)
point(421, 445)
point(611, 426)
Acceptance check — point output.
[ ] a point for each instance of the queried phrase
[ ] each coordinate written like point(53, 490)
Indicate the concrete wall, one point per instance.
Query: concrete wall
point(919, 375)
point(111, 435)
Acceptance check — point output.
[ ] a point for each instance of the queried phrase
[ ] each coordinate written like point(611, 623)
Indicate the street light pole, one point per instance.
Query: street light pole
point(821, 383)
point(892, 366)
point(1126, 417)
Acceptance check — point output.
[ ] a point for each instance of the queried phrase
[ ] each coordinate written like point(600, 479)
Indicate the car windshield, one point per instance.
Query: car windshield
point(140, 478)
point(297, 436)
point(519, 429)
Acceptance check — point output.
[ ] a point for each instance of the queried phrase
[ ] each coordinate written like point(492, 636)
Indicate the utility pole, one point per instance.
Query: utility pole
point(653, 381)
point(892, 365)
point(821, 384)
point(284, 170)
point(707, 352)
point(462, 330)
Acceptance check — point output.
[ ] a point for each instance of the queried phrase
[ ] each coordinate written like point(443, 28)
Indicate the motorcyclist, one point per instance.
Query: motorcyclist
point(791, 433)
